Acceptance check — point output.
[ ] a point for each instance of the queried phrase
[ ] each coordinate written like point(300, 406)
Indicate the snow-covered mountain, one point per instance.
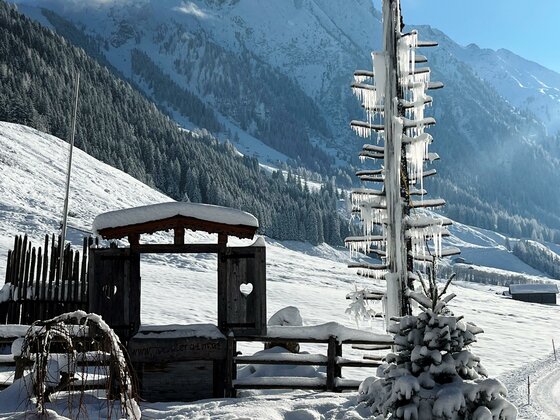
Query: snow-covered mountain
point(527, 85)
point(181, 289)
point(277, 75)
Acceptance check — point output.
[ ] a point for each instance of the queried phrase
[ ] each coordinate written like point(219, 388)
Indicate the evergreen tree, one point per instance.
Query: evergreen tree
point(433, 374)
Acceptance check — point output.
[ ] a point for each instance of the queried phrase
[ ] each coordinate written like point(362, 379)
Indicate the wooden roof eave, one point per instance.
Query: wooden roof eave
point(178, 222)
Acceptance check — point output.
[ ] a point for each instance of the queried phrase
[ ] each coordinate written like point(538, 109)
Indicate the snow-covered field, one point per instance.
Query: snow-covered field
point(182, 289)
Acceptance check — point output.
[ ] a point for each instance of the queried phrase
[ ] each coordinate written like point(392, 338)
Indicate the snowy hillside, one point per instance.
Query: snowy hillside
point(315, 279)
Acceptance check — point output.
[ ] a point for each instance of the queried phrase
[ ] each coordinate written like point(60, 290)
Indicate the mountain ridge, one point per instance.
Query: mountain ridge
point(478, 129)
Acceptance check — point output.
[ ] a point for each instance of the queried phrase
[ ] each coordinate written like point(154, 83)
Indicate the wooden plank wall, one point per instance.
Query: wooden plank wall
point(37, 290)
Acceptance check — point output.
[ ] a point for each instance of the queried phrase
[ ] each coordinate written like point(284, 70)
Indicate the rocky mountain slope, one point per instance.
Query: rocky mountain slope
point(277, 75)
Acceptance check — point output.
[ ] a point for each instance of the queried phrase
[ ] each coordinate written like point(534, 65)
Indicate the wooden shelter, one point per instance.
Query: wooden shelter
point(536, 293)
point(193, 354)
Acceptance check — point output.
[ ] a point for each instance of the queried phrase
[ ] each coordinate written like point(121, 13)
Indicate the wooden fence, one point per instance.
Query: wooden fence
point(37, 288)
point(333, 361)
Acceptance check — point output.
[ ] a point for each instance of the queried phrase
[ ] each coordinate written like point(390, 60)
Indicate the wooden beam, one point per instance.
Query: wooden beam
point(369, 172)
point(371, 155)
point(171, 223)
point(363, 124)
point(446, 252)
point(364, 73)
point(182, 249)
point(368, 178)
point(417, 123)
point(436, 202)
point(362, 86)
point(435, 85)
point(373, 148)
point(368, 266)
point(408, 104)
point(424, 44)
point(360, 239)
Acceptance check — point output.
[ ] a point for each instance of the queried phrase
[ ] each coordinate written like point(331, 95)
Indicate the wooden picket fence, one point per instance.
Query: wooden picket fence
point(37, 289)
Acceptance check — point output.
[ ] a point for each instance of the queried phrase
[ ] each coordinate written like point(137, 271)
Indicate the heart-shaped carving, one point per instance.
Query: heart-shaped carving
point(246, 288)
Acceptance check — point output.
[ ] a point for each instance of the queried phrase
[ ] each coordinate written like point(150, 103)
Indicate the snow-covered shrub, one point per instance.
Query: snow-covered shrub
point(360, 308)
point(55, 370)
point(432, 374)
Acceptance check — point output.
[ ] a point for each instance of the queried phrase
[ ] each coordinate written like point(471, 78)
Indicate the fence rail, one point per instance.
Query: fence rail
point(333, 361)
point(38, 289)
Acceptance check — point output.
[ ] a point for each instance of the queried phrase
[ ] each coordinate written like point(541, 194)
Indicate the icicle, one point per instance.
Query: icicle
point(368, 97)
point(416, 154)
point(373, 274)
point(362, 131)
point(380, 71)
point(419, 235)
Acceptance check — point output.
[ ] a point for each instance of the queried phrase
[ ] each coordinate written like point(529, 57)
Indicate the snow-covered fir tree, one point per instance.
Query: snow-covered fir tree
point(433, 374)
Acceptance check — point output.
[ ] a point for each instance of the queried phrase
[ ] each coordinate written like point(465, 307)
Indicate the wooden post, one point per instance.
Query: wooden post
point(396, 242)
point(179, 236)
point(83, 281)
point(134, 239)
point(75, 283)
point(331, 364)
point(68, 173)
point(29, 308)
point(23, 287)
point(231, 366)
point(554, 350)
point(44, 276)
point(338, 369)
point(528, 390)
point(7, 278)
point(222, 239)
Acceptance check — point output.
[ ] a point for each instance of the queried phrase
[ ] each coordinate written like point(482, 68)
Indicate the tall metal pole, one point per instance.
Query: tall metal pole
point(68, 173)
point(396, 244)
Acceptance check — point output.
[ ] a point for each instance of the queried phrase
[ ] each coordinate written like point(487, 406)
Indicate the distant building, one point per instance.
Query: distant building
point(537, 293)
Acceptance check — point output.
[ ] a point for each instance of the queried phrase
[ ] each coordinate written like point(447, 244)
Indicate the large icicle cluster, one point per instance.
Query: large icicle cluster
point(424, 233)
point(433, 374)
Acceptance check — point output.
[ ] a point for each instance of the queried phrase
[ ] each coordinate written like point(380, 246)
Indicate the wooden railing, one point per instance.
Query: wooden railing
point(333, 361)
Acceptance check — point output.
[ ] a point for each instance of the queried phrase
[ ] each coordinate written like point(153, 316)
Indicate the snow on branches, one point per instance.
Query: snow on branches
point(432, 374)
point(55, 346)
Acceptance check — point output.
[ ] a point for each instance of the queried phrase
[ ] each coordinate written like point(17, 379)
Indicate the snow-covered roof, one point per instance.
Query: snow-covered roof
point(161, 211)
point(515, 289)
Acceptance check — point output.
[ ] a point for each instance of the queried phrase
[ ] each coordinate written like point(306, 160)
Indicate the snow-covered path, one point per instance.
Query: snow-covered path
point(547, 394)
point(544, 375)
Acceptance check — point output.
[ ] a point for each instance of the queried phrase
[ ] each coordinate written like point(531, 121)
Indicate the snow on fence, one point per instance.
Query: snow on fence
point(34, 287)
point(333, 361)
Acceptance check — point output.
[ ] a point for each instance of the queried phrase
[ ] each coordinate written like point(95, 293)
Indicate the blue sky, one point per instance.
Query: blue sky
point(525, 27)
